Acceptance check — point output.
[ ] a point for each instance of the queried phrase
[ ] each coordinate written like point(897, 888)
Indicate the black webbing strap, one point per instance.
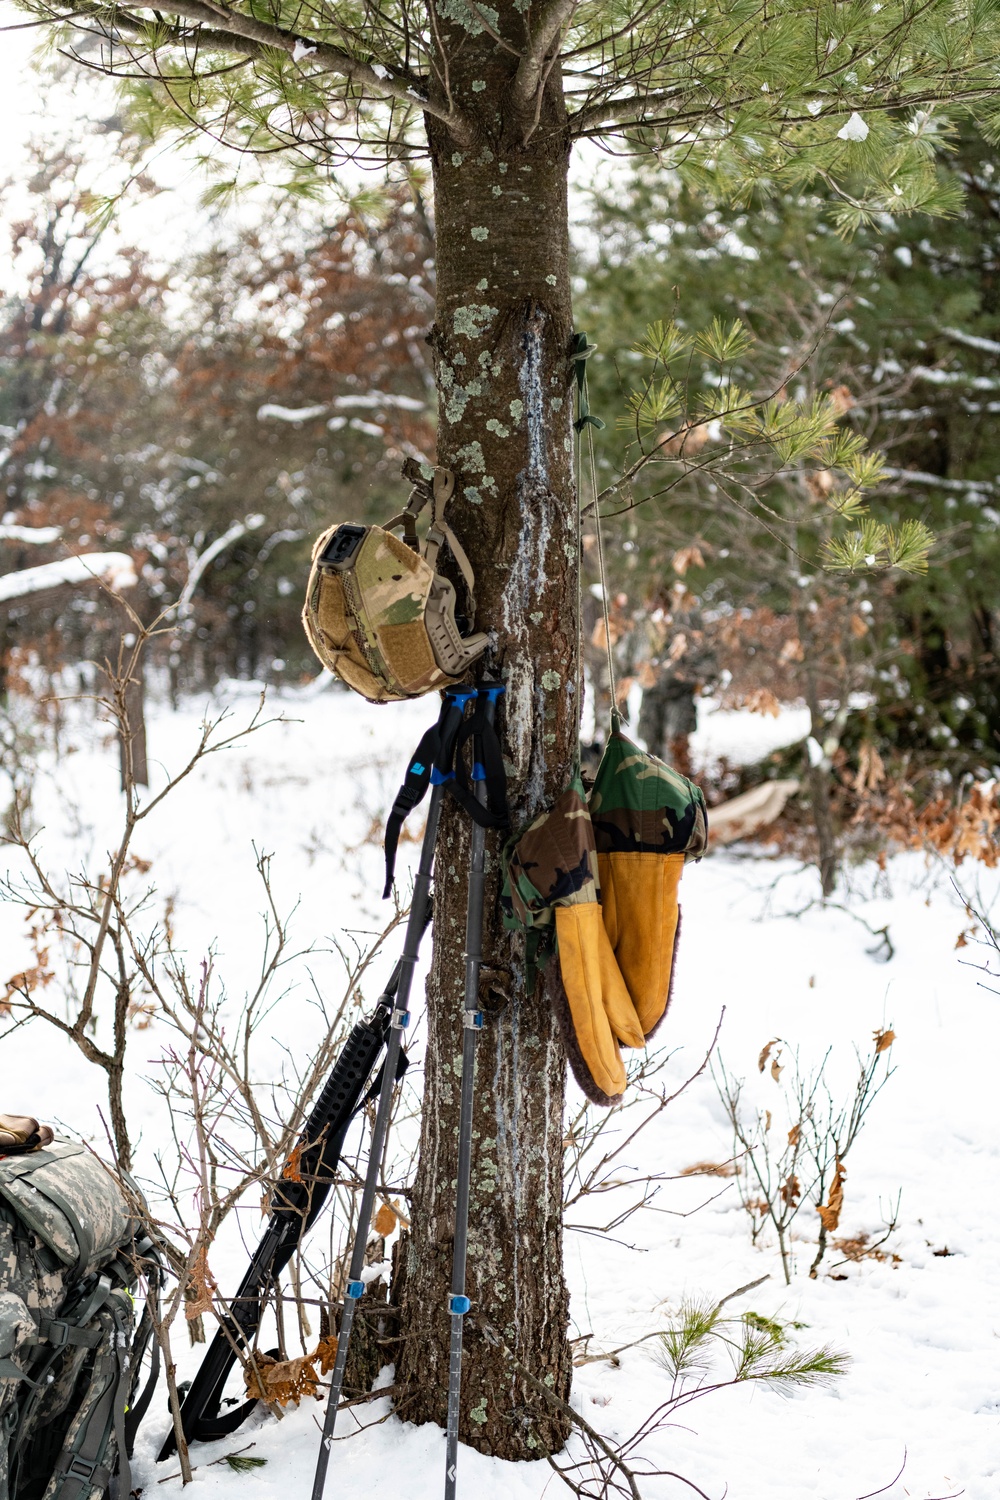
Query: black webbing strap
point(415, 784)
point(139, 1405)
point(487, 766)
point(430, 765)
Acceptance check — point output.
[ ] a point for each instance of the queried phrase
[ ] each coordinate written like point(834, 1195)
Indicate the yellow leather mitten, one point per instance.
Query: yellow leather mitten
point(648, 821)
point(642, 919)
point(601, 1011)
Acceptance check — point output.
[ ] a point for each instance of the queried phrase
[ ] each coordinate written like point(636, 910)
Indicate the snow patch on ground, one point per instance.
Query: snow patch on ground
point(741, 738)
point(922, 1335)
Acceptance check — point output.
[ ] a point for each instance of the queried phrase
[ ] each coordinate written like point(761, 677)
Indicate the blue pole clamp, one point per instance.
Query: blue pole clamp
point(458, 1306)
point(355, 1289)
point(460, 696)
point(494, 691)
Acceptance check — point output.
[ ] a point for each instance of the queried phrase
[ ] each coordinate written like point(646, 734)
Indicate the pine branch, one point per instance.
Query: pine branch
point(224, 27)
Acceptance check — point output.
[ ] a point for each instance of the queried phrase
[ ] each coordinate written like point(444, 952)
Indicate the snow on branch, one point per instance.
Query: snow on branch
point(114, 569)
point(371, 400)
point(935, 376)
point(382, 398)
point(39, 536)
point(291, 413)
point(233, 534)
point(970, 487)
point(972, 340)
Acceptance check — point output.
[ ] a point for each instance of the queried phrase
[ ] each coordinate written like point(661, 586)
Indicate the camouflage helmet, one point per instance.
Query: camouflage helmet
point(377, 611)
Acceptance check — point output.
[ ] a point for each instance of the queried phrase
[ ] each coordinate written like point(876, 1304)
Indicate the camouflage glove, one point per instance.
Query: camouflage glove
point(648, 820)
point(552, 892)
point(20, 1133)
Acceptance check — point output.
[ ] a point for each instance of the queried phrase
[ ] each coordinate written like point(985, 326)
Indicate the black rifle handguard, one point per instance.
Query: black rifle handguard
point(296, 1200)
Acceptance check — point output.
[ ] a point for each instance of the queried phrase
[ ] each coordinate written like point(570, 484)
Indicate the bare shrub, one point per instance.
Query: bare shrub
point(796, 1154)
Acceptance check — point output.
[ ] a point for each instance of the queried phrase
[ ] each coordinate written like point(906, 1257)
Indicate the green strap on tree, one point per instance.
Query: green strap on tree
point(581, 351)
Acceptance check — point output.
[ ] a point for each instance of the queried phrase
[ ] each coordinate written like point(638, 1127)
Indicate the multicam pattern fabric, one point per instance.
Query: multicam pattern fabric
point(366, 623)
point(553, 863)
point(638, 804)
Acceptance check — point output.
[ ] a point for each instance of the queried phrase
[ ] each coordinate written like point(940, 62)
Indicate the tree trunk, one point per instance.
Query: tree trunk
point(501, 346)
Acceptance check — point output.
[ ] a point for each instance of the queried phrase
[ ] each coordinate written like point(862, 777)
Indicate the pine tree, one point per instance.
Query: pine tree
point(497, 95)
point(901, 320)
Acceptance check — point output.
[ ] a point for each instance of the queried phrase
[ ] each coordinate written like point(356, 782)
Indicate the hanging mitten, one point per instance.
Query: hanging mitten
point(551, 891)
point(648, 820)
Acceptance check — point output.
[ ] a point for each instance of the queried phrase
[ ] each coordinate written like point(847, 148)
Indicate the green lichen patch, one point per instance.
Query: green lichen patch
point(473, 320)
point(478, 232)
point(471, 458)
point(516, 410)
point(475, 22)
point(550, 681)
point(494, 426)
point(454, 407)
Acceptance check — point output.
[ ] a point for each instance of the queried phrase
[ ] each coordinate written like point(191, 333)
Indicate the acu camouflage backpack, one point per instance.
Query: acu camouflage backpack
point(377, 611)
point(71, 1258)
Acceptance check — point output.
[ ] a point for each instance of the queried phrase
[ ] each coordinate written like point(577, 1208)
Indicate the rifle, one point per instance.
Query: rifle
point(298, 1198)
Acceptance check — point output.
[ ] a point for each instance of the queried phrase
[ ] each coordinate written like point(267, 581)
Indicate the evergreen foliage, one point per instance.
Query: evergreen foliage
point(900, 327)
point(852, 99)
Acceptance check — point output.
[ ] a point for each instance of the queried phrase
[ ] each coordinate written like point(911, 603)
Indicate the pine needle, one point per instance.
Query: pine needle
point(242, 1465)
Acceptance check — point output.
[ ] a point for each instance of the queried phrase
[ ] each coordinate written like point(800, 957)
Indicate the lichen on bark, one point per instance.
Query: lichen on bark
point(503, 306)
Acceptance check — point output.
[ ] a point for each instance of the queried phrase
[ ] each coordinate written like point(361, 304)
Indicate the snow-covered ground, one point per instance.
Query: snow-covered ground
point(922, 1332)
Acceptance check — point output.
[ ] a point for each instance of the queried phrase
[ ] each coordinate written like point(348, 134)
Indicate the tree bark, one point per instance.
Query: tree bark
point(501, 346)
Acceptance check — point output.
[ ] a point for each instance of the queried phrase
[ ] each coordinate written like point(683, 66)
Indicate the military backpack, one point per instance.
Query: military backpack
point(72, 1259)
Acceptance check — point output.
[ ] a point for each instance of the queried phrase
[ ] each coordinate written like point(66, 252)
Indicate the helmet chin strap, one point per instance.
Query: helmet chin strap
point(437, 493)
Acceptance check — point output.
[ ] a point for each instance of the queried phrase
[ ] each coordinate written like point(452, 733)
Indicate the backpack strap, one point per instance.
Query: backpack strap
point(145, 1337)
point(83, 1465)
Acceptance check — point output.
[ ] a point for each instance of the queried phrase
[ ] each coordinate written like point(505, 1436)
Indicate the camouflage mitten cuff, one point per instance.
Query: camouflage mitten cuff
point(648, 821)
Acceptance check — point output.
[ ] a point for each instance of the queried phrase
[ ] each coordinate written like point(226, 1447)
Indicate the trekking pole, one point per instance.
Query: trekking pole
point(455, 700)
point(472, 1023)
